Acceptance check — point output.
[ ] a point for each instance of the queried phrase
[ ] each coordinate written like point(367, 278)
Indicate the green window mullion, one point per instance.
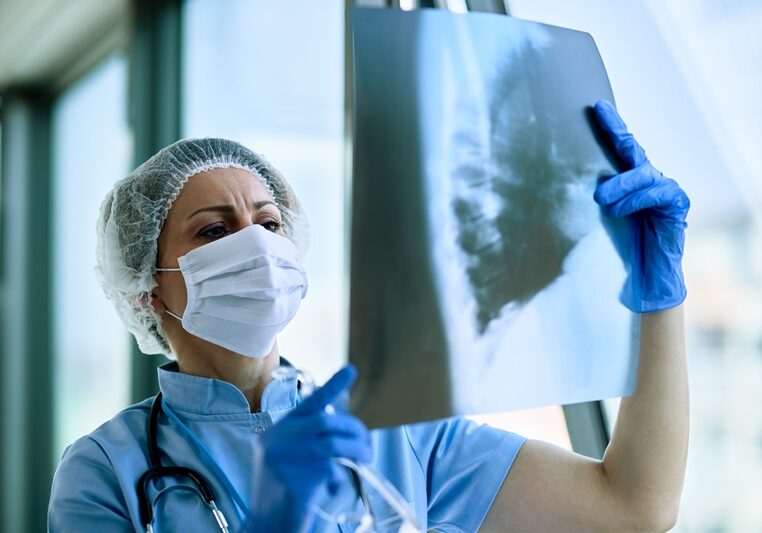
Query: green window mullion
point(25, 340)
point(155, 115)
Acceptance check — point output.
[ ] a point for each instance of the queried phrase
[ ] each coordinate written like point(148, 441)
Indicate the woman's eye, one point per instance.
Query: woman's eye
point(214, 232)
point(272, 225)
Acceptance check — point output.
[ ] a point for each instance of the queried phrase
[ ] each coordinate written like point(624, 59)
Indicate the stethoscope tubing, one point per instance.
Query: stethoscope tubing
point(157, 470)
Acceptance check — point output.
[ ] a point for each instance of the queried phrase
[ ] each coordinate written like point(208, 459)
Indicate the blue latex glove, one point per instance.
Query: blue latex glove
point(654, 208)
point(293, 464)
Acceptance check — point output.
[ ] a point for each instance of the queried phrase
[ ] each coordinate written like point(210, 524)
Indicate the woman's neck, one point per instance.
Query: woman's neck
point(250, 374)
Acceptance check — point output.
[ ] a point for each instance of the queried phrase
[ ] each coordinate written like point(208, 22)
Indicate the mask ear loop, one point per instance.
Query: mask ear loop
point(170, 313)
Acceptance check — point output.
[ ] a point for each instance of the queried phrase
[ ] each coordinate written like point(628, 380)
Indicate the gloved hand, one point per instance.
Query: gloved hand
point(654, 208)
point(293, 463)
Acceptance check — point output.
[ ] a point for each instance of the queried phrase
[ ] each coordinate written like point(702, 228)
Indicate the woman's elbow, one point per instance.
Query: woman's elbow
point(657, 518)
point(664, 520)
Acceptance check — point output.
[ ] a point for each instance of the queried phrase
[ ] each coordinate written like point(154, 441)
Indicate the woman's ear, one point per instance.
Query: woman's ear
point(158, 304)
point(154, 300)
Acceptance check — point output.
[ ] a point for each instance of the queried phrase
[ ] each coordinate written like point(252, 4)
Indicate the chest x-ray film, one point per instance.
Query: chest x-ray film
point(482, 277)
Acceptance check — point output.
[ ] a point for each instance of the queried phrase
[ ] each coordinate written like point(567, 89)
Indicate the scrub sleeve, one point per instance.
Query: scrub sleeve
point(465, 465)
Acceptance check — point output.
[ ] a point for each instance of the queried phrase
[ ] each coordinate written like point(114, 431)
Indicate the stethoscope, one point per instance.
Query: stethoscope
point(156, 470)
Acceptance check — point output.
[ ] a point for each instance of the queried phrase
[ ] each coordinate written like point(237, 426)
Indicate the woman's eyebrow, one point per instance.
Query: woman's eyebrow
point(229, 208)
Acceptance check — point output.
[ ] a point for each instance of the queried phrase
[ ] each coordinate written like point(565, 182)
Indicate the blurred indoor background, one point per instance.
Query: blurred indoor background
point(91, 88)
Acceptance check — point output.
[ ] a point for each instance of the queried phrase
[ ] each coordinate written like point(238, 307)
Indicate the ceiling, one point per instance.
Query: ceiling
point(43, 40)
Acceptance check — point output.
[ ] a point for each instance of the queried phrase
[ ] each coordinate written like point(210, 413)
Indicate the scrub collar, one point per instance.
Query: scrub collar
point(207, 396)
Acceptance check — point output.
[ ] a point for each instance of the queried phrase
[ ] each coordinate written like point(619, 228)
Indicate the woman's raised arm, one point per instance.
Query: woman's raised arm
point(637, 485)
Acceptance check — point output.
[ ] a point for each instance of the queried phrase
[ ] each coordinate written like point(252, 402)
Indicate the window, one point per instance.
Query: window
point(273, 80)
point(91, 149)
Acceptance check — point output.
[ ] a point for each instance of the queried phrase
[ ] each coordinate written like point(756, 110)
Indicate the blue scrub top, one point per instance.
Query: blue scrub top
point(449, 470)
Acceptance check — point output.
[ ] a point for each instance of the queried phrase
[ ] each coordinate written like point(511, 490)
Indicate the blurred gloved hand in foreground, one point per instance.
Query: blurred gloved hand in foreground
point(654, 208)
point(294, 462)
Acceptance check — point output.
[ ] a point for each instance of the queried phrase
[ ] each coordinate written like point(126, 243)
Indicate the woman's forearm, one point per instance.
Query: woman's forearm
point(645, 462)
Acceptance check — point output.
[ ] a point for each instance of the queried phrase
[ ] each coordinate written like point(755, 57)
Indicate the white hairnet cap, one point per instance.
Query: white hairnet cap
point(133, 213)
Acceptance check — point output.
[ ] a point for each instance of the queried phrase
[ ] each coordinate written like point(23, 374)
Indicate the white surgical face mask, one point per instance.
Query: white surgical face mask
point(242, 290)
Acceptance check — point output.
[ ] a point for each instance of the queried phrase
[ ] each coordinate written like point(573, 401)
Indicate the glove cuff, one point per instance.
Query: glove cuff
point(652, 293)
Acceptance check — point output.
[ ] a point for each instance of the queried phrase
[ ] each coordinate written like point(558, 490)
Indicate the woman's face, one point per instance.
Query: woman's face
point(210, 206)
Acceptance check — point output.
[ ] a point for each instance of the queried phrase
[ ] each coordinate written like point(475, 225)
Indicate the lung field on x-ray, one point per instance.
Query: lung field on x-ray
point(513, 188)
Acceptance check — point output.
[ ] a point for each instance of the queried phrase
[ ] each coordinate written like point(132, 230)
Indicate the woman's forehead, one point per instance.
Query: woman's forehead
point(221, 185)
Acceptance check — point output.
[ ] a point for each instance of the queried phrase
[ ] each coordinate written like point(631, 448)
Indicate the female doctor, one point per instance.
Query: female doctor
point(200, 250)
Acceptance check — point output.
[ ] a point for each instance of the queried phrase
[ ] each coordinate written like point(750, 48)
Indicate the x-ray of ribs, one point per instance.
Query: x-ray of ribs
point(512, 183)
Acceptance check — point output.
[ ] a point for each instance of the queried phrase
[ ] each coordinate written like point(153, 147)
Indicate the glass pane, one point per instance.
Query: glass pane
point(91, 149)
point(680, 73)
point(545, 423)
point(270, 75)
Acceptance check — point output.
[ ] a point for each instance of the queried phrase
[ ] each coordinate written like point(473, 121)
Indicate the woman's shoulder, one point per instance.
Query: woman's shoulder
point(87, 486)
